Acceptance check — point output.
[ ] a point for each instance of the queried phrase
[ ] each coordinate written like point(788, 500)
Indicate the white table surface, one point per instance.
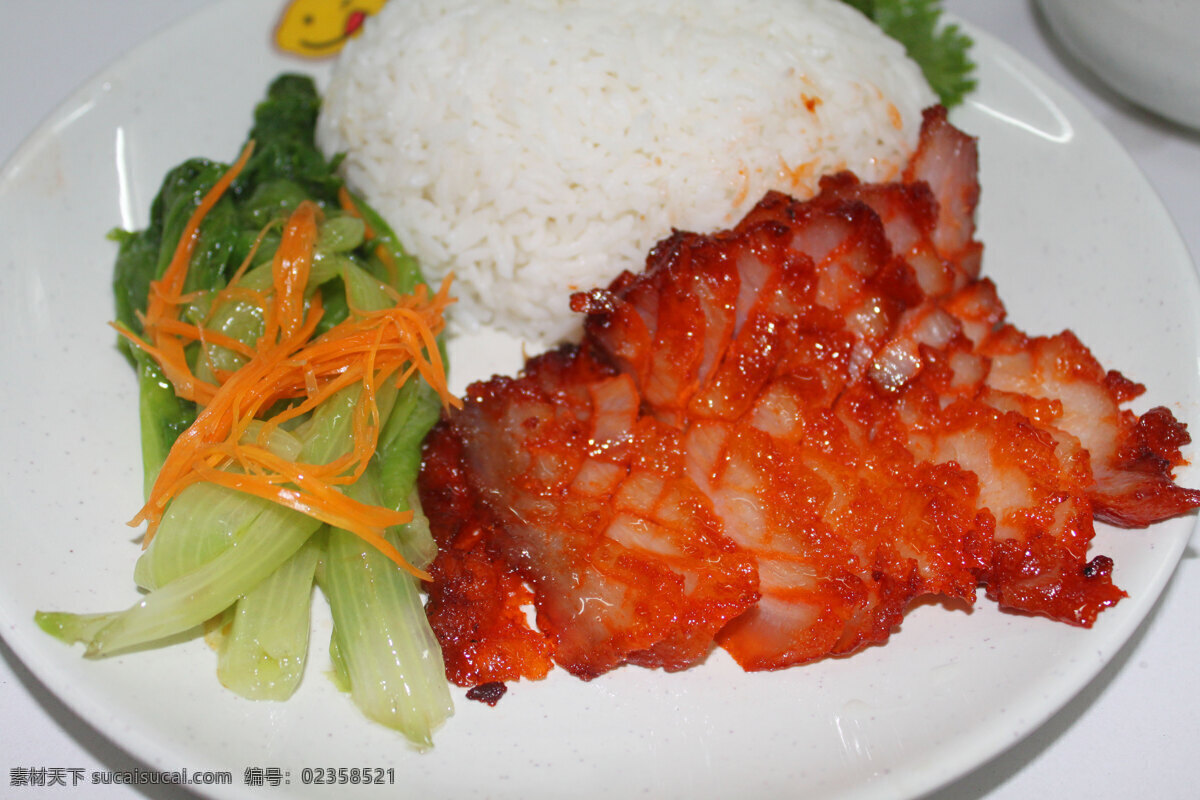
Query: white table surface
point(1133, 732)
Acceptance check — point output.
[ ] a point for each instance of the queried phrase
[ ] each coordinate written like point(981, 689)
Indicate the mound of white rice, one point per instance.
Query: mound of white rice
point(536, 147)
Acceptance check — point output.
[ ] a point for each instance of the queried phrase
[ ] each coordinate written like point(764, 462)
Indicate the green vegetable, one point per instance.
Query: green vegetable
point(940, 51)
point(264, 650)
point(239, 560)
point(383, 650)
point(163, 415)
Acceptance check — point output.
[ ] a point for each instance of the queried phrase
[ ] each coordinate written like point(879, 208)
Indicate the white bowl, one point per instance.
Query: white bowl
point(1147, 50)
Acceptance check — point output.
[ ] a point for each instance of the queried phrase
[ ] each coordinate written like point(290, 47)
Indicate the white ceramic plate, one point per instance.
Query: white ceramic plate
point(1075, 238)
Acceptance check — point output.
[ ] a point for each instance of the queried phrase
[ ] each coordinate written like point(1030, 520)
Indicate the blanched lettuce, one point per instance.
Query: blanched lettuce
point(238, 560)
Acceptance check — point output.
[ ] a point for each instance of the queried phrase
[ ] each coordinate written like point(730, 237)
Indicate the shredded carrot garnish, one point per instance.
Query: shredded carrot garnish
point(287, 364)
point(382, 252)
point(166, 294)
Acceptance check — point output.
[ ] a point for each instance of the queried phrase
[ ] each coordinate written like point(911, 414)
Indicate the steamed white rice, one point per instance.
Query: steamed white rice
point(535, 147)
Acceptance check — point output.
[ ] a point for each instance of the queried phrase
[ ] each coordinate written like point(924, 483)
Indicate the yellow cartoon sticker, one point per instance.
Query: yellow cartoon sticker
point(319, 28)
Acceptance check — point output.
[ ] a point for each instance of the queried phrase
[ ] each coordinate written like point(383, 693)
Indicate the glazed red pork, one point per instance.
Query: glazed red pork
point(775, 438)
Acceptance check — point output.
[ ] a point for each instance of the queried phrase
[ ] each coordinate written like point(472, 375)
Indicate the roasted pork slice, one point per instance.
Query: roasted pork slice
point(846, 526)
point(809, 288)
point(476, 602)
point(1034, 480)
point(779, 436)
point(589, 506)
point(1132, 457)
point(947, 161)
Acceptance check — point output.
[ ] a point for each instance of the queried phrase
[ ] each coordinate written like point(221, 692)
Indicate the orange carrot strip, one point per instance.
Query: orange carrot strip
point(186, 330)
point(381, 252)
point(347, 519)
point(171, 361)
point(293, 263)
point(164, 292)
point(245, 265)
point(348, 205)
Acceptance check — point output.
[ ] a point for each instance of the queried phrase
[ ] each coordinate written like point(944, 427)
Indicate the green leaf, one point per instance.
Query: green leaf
point(942, 52)
point(285, 146)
